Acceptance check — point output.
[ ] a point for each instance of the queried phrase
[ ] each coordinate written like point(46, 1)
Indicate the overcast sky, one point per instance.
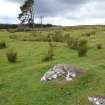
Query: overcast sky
point(59, 12)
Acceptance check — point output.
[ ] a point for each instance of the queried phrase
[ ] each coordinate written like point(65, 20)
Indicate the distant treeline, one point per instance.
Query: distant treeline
point(9, 26)
point(68, 28)
point(84, 26)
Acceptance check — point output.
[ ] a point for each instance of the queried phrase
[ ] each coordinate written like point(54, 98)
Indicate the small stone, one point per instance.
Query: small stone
point(69, 79)
point(97, 100)
point(43, 79)
point(54, 76)
point(49, 78)
point(74, 75)
point(97, 103)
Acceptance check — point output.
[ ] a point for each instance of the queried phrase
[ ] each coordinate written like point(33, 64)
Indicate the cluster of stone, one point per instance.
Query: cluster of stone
point(68, 71)
point(97, 100)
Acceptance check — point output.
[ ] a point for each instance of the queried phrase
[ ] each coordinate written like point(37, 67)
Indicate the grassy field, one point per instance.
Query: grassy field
point(20, 81)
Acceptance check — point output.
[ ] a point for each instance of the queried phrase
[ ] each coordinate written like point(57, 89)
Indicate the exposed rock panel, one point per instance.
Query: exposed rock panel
point(68, 71)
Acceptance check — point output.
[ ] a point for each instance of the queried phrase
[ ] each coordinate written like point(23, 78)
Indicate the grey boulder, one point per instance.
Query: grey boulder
point(68, 71)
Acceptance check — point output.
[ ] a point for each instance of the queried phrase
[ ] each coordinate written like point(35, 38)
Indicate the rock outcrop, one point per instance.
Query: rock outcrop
point(67, 71)
point(97, 100)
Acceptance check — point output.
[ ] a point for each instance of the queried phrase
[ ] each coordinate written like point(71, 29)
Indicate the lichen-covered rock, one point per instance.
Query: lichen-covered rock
point(68, 71)
point(97, 100)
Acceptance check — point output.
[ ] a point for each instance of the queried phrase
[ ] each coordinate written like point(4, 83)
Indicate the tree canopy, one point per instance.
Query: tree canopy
point(26, 15)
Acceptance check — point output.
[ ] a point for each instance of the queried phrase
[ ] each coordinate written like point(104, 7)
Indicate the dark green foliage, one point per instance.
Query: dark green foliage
point(88, 34)
point(8, 26)
point(72, 42)
point(68, 40)
point(66, 36)
point(58, 36)
point(2, 45)
point(82, 47)
point(50, 39)
point(26, 15)
point(99, 46)
point(49, 55)
point(11, 56)
point(50, 52)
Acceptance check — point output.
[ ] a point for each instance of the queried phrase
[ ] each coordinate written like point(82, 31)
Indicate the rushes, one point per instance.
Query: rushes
point(11, 56)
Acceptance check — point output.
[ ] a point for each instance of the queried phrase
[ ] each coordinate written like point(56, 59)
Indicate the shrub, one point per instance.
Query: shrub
point(99, 46)
point(50, 52)
point(82, 47)
point(72, 42)
point(69, 40)
point(58, 36)
point(2, 45)
point(49, 38)
point(88, 34)
point(49, 55)
point(11, 56)
point(66, 37)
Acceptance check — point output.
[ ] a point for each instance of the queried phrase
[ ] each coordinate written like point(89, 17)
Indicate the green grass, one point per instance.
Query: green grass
point(20, 82)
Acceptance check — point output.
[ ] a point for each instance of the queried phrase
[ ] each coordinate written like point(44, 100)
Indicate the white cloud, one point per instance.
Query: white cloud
point(8, 11)
point(70, 22)
point(92, 12)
